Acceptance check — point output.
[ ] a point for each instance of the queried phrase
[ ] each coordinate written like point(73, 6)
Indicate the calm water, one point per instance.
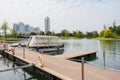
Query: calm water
point(18, 74)
point(112, 49)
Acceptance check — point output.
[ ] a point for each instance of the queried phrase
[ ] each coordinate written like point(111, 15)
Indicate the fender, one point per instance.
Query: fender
point(40, 61)
point(13, 51)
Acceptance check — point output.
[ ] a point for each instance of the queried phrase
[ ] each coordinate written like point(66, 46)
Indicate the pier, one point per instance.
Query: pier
point(58, 68)
point(76, 54)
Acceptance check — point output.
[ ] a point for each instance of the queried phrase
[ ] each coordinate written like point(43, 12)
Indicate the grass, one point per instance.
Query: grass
point(10, 39)
point(101, 38)
point(63, 37)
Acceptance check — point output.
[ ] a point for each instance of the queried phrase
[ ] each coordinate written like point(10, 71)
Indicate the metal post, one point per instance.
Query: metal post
point(82, 68)
point(24, 76)
point(34, 70)
point(13, 66)
point(24, 52)
point(104, 64)
point(58, 49)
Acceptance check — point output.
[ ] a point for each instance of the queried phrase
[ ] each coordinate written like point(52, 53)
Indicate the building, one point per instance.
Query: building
point(22, 28)
point(47, 25)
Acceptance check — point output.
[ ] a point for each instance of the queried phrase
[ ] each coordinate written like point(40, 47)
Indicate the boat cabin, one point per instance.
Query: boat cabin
point(40, 41)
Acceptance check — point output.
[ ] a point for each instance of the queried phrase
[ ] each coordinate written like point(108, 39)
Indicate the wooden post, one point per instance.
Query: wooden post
point(104, 64)
point(24, 52)
point(82, 68)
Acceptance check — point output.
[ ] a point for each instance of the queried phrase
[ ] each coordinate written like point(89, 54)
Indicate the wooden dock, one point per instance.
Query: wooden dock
point(75, 54)
point(66, 69)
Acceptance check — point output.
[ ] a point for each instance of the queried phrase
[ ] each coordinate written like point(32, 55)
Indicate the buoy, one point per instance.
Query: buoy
point(4, 45)
point(40, 61)
point(13, 51)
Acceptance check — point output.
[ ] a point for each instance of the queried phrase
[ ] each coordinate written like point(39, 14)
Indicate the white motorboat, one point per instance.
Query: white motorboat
point(15, 44)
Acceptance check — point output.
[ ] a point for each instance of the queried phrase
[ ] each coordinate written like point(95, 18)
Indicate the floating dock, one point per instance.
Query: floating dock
point(62, 69)
point(76, 54)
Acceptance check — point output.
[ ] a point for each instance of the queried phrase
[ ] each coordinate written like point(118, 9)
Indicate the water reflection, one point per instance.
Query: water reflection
point(110, 45)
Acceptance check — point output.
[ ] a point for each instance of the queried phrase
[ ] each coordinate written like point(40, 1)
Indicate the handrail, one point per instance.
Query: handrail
point(19, 67)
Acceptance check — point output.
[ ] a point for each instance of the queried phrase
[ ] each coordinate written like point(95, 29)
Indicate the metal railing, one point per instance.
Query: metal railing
point(19, 67)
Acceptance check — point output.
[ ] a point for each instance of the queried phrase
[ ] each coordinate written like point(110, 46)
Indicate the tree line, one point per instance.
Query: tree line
point(107, 32)
point(110, 31)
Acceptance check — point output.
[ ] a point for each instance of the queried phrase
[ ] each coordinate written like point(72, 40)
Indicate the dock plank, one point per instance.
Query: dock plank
point(66, 69)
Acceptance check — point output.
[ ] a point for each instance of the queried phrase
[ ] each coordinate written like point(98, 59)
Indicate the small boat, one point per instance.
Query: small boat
point(44, 42)
point(15, 44)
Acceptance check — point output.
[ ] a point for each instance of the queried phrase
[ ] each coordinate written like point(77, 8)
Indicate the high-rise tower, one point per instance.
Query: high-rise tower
point(47, 25)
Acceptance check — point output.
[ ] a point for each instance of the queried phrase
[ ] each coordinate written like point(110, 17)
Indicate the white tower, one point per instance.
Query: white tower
point(47, 25)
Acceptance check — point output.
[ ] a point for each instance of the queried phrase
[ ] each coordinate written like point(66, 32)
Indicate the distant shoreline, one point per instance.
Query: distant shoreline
point(10, 40)
point(99, 38)
point(61, 37)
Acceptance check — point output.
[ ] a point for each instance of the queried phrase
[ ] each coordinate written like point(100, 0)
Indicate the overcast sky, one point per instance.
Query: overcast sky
point(83, 15)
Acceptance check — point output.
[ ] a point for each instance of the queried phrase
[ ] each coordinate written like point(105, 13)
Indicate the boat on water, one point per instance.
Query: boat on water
point(45, 43)
point(15, 44)
point(41, 43)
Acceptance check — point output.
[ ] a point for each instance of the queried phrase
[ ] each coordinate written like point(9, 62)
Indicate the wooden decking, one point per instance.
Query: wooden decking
point(65, 69)
point(75, 54)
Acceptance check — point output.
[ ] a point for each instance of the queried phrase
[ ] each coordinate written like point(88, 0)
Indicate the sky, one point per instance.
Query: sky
point(83, 15)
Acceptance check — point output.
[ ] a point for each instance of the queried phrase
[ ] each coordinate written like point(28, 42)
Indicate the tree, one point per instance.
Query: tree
point(48, 33)
point(77, 34)
point(114, 28)
point(95, 34)
point(4, 27)
point(92, 34)
point(107, 33)
point(52, 33)
point(89, 34)
point(118, 30)
point(14, 33)
point(32, 33)
point(65, 33)
point(41, 32)
point(58, 34)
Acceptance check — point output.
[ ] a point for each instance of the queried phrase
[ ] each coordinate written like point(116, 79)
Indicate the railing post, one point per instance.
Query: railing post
point(24, 52)
point(104, 64)
point(24, 76)
point(82, 68)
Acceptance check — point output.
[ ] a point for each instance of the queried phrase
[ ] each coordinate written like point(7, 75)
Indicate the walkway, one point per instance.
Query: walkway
point(66, 69)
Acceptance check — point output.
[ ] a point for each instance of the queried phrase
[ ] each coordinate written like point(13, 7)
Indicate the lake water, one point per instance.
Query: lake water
point(111, 48)
point(18, 74)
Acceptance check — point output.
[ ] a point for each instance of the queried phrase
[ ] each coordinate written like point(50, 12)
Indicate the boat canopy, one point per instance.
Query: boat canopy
point(40, 40)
